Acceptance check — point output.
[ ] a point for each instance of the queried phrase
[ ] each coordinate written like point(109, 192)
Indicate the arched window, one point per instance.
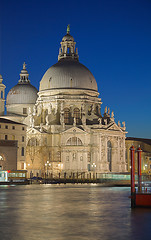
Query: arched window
point(33, 142)
point(68, 50)
point(67, 116)
point(74, 141)
point(76, 115)
point(22, 151)
point(109, 155)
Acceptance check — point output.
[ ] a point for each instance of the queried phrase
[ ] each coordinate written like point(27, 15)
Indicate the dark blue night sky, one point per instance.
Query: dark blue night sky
point(113, 39)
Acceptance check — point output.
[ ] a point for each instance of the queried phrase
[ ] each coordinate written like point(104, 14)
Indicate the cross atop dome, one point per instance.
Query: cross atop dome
point(68, 29)
point(24, 66)
point(67, 49)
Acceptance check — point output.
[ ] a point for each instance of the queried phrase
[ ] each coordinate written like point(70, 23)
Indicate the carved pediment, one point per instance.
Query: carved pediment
point(74, 130)
point(114, 127)
point(33, 131)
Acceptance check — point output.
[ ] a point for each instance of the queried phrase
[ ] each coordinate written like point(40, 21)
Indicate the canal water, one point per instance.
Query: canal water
point(70, 212)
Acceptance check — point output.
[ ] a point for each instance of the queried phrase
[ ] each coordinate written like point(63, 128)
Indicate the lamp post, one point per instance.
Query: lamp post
point(47, 164)
point(93, 166)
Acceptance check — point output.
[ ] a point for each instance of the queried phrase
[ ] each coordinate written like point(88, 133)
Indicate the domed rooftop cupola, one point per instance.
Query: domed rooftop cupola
point(68, 72)
point(21, 96)
point(67, 49)
point(24, 75)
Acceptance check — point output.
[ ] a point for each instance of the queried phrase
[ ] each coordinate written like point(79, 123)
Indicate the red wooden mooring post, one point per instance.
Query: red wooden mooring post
point(138, 199)
point(139, 150)
point(132, 149)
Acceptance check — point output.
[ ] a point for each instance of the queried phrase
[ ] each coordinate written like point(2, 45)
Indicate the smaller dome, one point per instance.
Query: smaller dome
point(1, 76)
point(67, 37)
point(22, 94)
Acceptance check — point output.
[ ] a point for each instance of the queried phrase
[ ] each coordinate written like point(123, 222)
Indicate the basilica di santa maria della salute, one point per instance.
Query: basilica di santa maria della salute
point(66, 131)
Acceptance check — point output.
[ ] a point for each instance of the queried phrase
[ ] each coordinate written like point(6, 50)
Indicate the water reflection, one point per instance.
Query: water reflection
point(63, 212)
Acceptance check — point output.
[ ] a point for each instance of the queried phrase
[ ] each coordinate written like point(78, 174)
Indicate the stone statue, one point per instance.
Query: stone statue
point(61, 118)
point(119, 124)
point(39, 110)
point(56, 104)
point(105, 111)
point(34, 110)
point(29, 111)
point(41, 129)
point(61, 107)
point(32, 121)
point(100, 121)
point(47, 120)
point(99, 108)
point(108, 111)
point(68, 29)
point(24, 66)
point(124, 127)
point(74, 121)
point(105, 121)
point(112, 114)
point(50, 109)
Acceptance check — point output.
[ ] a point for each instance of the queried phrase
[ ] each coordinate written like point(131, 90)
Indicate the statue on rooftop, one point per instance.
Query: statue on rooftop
point(24, 66)
point(68, 29)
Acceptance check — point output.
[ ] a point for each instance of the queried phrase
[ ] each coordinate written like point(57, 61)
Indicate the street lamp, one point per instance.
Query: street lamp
point(47, 164)
point(93, 166)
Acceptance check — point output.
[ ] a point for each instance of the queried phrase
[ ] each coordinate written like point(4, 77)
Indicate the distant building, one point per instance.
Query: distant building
point(66, 131)
point(12, 132)
point(145, 145)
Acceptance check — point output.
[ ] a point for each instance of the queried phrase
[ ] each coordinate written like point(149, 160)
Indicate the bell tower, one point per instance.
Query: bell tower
point(68, 49)
point(2, 96)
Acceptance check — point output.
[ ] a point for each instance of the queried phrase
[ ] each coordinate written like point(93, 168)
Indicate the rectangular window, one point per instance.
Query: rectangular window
point(88, 166)
point(24, 110)
point(0, 126)
point(150, 166)
point(13, 127)
point(22, 151)
point(6, 137)
point(6, 126)
point(150, 158)
point(22, 138)
point(23, 128)
point(22, 165)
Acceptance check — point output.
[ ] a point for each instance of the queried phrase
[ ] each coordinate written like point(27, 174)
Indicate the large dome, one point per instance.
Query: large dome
point(68, 73)
point(22, 94)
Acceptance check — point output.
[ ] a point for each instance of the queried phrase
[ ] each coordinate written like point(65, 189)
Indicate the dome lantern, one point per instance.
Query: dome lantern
point(67, 49)
point(24, 75)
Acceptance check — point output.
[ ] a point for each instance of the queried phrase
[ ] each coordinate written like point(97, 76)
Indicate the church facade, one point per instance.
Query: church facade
point(66, 131)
